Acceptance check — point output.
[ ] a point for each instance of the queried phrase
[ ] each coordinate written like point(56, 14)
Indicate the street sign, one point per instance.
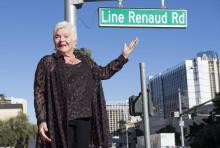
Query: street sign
point(181, 123)
point(138, 17)
point(176, 114)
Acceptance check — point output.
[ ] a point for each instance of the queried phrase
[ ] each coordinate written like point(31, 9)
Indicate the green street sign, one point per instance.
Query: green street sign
point(136, 17)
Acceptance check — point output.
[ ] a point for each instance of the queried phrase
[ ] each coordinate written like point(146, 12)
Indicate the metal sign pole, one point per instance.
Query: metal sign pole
point(145, 106)
point(70, 13)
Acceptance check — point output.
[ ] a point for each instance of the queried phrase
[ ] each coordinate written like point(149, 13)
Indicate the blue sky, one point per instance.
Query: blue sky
point(26, 36)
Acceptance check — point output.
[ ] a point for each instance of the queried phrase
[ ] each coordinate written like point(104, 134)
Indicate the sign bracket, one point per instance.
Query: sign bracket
point(163, 4)
point(120, 3)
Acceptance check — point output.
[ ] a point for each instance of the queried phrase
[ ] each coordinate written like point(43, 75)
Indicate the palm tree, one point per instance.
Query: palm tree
point(206, 134)
point(16, 131)
point(86, 52)
point(121, 126)
point(122, 123)
point(2, 97)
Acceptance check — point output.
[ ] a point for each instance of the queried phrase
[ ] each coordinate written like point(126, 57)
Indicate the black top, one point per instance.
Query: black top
point(80, 87)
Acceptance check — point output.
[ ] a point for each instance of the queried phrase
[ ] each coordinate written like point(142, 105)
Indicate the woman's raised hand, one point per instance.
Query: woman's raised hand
point(129, 48)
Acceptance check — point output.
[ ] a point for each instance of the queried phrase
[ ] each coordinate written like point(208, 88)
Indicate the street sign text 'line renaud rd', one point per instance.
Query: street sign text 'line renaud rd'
point(138, 17)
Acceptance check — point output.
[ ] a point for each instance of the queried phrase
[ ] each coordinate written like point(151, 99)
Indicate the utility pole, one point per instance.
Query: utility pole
point(181, 123)
point(145, 106)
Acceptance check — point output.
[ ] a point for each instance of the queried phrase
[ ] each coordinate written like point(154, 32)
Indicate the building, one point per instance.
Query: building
point(117, 111)
point(198, 80)
point(20, 101)
point(10, 107)
point(162, 140)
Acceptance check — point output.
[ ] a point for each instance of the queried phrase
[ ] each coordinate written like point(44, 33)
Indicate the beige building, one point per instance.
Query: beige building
point(117, 111)
point(10, 107)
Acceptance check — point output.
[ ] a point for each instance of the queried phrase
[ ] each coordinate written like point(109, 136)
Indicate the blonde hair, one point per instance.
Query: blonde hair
point(66, 25)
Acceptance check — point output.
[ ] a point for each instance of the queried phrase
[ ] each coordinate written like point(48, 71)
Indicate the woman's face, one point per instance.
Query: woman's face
point(64, 41)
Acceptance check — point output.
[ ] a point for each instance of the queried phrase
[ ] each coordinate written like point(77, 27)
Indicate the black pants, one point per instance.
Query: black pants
point(79, 132)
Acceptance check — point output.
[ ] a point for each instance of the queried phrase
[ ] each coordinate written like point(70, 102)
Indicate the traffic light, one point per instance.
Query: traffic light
point(187, 131)
point(213, 115)
point(136, 106)
point(193, 115)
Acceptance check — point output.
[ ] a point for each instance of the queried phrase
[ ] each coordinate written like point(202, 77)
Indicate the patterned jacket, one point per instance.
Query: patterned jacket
point(50, 105)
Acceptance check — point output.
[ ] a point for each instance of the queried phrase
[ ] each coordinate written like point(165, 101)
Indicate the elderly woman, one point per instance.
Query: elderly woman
point(68, 95)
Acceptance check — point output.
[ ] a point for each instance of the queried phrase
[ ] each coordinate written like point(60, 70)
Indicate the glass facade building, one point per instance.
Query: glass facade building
point(198, 79)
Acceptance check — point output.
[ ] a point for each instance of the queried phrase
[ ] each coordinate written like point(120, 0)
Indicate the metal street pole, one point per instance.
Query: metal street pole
point(181, 124)
point(218, 70)
point(145, 106)
point(127, 135)
point(70, 13)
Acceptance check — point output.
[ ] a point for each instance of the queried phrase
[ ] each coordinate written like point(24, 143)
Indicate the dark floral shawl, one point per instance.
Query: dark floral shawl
point(49, 100)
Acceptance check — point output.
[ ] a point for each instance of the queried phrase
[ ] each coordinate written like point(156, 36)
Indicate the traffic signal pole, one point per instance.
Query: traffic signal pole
point(70, 13)
point(145, 106)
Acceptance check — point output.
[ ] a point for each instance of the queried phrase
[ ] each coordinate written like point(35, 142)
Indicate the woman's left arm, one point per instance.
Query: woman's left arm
point(114, 66)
